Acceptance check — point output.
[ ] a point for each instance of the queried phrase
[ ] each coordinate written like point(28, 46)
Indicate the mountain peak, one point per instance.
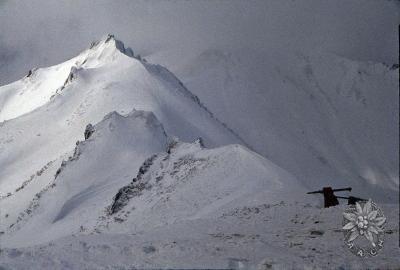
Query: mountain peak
point(109, 42)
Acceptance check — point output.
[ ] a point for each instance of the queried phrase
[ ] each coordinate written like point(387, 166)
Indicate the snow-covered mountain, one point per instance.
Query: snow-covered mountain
point(103, 185)
point(111, 156)
point(328, 120)
point(100, 80)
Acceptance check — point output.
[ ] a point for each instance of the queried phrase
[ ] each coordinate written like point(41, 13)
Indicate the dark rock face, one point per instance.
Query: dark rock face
point(133, 189)
point(394, 66)
point(89, 130)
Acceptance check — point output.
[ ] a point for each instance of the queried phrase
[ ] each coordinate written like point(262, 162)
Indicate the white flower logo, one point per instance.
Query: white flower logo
point(364, 221)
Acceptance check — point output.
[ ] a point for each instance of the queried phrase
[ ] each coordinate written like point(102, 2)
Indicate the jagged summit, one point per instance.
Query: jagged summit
point(110, 41)
point(104, 50)
point(40, 84)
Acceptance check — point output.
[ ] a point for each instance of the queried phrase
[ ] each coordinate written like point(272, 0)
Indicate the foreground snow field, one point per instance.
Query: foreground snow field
point(257, 236)
point(157, 180)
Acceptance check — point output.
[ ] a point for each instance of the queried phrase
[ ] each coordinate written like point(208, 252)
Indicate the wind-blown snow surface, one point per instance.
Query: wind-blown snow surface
point(143, 191)
point(102, 79)
point(328, 120)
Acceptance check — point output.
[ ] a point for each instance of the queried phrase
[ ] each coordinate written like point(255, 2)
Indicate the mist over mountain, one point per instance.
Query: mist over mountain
point(39, 34)
point(190, 138)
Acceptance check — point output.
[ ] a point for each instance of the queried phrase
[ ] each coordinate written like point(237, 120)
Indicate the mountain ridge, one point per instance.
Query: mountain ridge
point(112, 159)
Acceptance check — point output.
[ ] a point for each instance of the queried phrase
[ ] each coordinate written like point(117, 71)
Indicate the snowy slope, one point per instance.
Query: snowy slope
point(131, 196)
point(84, 183)
point(185, 183)
point(258, 237)
point(144, 191)
point(103, 79)
point(184, 206)
point(328, 120)
point(41, 84)
point(190, 182)
point(100, 80)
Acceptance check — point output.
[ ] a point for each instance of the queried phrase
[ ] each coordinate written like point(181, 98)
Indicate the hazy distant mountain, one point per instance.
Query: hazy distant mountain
point(107, 160)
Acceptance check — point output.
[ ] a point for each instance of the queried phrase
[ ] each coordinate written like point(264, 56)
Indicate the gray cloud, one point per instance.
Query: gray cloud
point(41, 33)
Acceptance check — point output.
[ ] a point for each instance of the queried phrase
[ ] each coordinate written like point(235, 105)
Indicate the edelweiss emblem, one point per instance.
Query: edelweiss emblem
point(364, 220)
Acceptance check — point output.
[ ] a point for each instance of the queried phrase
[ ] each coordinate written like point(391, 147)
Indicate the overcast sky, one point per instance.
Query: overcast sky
point(46, 32)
